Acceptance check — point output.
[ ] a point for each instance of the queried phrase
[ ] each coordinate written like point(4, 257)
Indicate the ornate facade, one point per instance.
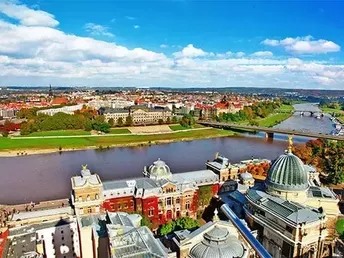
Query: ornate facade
point(159, 196)
point(293, 214)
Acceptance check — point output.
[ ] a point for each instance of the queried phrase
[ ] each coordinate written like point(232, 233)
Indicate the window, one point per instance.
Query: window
point(61, 231)
point(52, 234)
point(289, 229)
point(168, 201)
point(62, 238)
point(96, 196)
point(88, 197)
point(177, 200)
point(151, 212)
point(89, 210)
point(187, 205)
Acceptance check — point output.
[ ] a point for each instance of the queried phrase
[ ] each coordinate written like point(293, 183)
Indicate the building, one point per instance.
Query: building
point(93, 236)
point(294, 216)
point(128, 239)
point(160, 196)
point(59, 238)
point(217, 239)
point(140, 114)
point(66, 109)
point(86, 192)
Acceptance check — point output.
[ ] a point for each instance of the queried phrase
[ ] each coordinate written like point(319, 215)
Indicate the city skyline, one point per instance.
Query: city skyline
point(172, 43)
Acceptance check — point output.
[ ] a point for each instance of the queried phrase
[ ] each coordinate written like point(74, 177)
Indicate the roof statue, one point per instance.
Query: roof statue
point(84, 167)
point(290, 143)
point(216, 217)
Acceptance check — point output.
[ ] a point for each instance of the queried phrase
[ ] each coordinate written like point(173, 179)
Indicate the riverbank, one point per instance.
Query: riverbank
point(32, 145)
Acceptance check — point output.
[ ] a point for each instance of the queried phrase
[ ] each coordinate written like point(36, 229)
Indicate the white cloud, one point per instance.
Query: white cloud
point(163, 46)
point(98, 30)
point(136, 26)
point(304, 45)
point(27, 16)
point(240, 54)
point(324, 80)
point(38, 55)
point(130, 17)
point(263, 54)
point(190, 51)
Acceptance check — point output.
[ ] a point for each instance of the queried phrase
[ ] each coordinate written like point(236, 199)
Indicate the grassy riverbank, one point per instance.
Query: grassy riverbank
point(7, 144)
point(281, 114)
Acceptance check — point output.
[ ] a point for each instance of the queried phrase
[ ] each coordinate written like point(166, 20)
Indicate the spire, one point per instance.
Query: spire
point(290, 143)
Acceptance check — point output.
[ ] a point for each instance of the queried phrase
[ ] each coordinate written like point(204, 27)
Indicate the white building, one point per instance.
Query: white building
point(67, 110)
point(59, 239)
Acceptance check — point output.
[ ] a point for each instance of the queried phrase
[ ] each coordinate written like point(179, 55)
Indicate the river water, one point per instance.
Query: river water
point(47, 176)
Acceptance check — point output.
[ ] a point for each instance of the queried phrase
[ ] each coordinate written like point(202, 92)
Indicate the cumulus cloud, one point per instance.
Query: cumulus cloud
point(136, 26)
point(190, 51)
point(27, 16)
point(263, 54)
point(43, 54)
point(240, 54)
point(304, 45)
point(97, 30)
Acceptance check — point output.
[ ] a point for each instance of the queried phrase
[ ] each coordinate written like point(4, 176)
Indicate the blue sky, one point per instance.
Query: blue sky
point(290, 44)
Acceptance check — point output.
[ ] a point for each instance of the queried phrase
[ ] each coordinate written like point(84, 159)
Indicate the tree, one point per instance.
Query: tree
point(4, 134)
point(166, 228)
point(111, 122)
point(129, 121)
point(168, 120)
point(174, 120)
point(160, 121)
point(120, 121)
point(186, 223)
point(204, 195)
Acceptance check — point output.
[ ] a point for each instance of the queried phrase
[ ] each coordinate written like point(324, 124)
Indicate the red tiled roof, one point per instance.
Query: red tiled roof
point(59, 101)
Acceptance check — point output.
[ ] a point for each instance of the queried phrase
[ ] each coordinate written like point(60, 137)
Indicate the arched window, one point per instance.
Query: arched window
point(187, 205)
point(96, 196)
point(88, 197)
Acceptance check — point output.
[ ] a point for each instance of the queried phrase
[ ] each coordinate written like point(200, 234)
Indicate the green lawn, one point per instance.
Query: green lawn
point(43, 143)
point(285, 108)
point(340, 226)
point(273, 119)
point(58, 133)
point(180, 128)
point(119, 131)
point(332, 110)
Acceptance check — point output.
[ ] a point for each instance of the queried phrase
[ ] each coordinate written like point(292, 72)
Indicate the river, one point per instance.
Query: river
point(47, 176)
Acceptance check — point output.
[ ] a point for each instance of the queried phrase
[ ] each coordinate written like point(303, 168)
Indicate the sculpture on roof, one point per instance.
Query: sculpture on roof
point(290, 143)
point(84, 167)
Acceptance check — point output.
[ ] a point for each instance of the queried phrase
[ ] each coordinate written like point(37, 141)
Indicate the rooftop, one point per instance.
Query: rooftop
point(284, 209)
point(42, 213)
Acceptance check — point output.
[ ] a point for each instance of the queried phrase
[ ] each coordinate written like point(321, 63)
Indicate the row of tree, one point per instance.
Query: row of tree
point(249, 113)
point(326, 155)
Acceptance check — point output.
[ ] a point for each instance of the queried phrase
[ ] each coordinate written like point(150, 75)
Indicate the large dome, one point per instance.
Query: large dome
point(159, 170)
point(287, 173)
point(218, 243)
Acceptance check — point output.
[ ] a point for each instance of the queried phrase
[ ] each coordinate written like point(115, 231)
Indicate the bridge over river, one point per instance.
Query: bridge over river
point(271, 131)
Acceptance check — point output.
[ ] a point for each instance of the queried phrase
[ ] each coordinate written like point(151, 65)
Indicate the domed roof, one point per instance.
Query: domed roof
point(287, 173)
point(218, 243)
point(159, 170)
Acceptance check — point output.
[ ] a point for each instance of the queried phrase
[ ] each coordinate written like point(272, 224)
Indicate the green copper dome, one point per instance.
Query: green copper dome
point(287, 173)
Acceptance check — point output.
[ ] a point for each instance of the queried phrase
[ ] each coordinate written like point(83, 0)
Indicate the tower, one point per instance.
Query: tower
point(50, 91)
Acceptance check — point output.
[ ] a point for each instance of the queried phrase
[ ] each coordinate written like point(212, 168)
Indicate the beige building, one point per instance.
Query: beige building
point(140, 114)
point(87, 192)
